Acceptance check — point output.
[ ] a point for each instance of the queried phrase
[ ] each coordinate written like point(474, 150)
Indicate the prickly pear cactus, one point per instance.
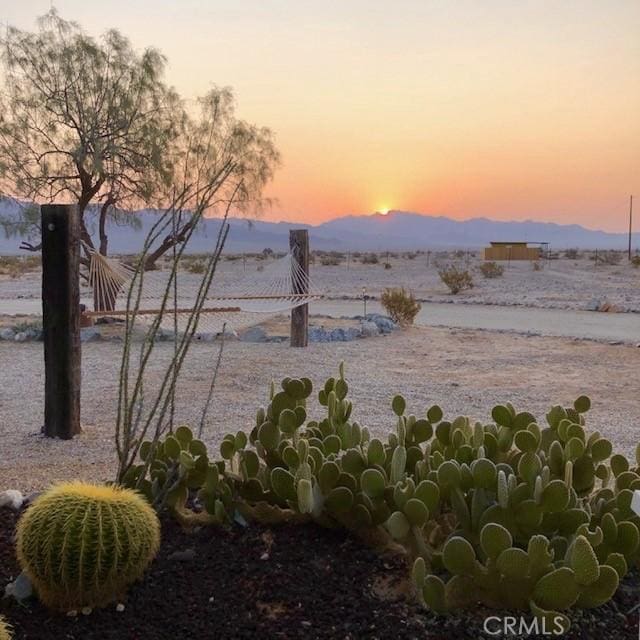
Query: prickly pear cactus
point(178, 464)
point(515, 512)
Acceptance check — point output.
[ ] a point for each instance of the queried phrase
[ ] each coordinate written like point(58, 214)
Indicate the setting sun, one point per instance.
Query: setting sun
point(384, 211)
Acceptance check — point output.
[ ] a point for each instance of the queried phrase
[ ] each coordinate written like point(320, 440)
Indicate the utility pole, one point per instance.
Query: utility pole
point(630, 222)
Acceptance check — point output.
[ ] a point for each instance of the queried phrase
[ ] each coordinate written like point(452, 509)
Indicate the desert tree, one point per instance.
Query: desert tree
point(84, 121)
point(92, 122)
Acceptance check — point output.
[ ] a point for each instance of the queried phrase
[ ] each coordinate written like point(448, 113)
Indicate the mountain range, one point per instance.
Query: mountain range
point(395, 231)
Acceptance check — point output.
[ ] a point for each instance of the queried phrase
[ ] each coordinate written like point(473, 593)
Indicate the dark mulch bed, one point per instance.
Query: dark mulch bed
point(284, 582)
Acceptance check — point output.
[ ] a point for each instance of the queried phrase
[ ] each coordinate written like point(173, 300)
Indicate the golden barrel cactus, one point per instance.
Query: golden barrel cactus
point(82, 544)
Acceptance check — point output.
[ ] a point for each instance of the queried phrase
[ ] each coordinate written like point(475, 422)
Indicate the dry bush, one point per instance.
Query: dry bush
point(456, 279)
point(387, 265)
point(15, 266)
point(572, 254)
point(370, 258)
point(330, 261)
point(491, 269)
point(610, 258)
point(196, 267)
point(635, 261)
point(400, 304)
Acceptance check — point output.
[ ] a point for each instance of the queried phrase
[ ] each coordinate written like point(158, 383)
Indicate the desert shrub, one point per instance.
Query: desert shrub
point(331, 259)
point(457, 280)
point(82, 544)
point(515, 512)
point(196, 267)
point(635, 261)
point(536, 265)
point(15, 266)
point(410, 255)
point(370, 258)
point(387, 265)
point(491, 269)
point(572, 254)
point(401, 305)
point(609, 258)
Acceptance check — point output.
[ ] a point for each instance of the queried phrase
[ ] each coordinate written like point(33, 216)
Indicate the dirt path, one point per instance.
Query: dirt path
point(624, 327)
point(467, 372)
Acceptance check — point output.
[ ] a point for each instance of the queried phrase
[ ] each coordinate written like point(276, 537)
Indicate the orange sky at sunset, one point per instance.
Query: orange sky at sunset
point(502, 109)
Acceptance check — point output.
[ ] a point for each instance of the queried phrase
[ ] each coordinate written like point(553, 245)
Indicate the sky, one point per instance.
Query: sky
point(508, 109)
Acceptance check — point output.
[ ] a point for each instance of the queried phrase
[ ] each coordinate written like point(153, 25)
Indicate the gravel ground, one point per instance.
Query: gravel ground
point(465, 371)
point(560, 284)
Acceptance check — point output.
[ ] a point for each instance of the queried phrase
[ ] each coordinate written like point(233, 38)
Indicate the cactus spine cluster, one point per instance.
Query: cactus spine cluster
point(515, 513)
point(81, 545)
point(5, 629)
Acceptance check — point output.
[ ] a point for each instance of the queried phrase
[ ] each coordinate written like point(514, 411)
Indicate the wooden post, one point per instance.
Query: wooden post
point(299, 246)
point(630, 223)
point(61, 319)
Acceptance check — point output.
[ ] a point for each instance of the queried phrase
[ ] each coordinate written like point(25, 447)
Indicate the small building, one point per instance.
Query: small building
point(514, 251)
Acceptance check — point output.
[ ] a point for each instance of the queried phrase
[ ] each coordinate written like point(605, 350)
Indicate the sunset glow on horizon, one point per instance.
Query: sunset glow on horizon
point(498, 109)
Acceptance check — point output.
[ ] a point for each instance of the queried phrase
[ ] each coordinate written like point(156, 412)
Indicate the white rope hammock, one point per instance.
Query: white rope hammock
point(232, 301)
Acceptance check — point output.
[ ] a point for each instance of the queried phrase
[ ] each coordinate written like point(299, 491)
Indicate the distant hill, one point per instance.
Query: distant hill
point(398, 230)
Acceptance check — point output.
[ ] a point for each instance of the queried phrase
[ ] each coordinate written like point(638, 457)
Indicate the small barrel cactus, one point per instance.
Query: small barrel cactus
point(5, 629)
point(82, 544)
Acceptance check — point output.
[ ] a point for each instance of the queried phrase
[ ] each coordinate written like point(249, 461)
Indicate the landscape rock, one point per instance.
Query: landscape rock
point(183, 556)
point(20, 337)
point(368, 329)
point(34, 333)
point(205, 337)
point(7, 334)
point(593, 304)
point(89, 334)
point(11, 498)
point(254, 334)
point(384, 323)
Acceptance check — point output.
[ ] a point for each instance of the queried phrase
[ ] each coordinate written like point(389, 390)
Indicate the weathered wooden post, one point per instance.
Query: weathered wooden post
point(61, 319)
point(299, 246)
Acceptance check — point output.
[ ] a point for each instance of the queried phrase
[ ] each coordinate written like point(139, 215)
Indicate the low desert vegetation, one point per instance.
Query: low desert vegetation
point(456, 279)
point(572, 254)
point(635, 261)
point(370, 258)
point(491, 269)
point(475, 505)
point(197, 267)
point(16, 266)
point(608, 258)
point(401, 305)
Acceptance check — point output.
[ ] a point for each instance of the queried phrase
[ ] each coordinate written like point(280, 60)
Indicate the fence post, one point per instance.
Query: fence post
point(299, 246)
point(61, 319)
